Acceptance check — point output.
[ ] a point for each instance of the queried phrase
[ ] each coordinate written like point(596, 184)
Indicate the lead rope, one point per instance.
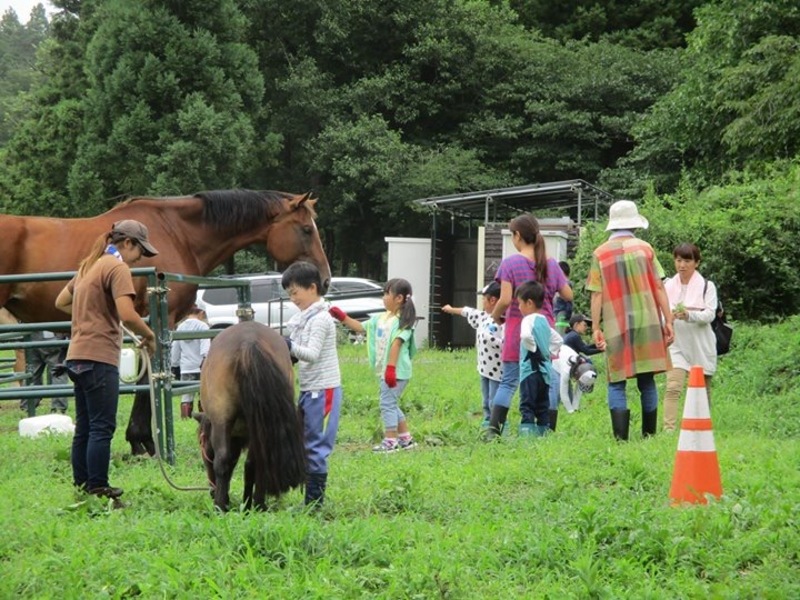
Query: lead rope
point(148, 368)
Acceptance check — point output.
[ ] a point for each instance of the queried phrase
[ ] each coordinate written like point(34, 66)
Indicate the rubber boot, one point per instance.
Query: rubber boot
point(620, 423)
point(528, 430)
point(553, 419)
point(315, 489)
point(496, 423)
point(649, 421)
point(186, 410)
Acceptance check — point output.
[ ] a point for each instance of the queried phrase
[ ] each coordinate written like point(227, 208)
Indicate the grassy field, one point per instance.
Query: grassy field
point(573, 515)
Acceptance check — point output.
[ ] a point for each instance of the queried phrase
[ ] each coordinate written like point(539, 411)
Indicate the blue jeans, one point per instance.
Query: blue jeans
point(320, 409)
point(647, 390)
point(488, 390)
point(96, 399)
point(508, 385)
point(390, 403)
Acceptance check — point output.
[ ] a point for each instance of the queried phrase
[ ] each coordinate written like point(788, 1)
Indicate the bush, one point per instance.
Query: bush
point(747, 233)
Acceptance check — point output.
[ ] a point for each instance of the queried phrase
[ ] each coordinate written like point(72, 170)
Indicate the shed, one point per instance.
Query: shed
point(467, 241)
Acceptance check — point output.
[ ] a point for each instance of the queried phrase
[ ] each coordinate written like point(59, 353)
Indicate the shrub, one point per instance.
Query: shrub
point(747, 233)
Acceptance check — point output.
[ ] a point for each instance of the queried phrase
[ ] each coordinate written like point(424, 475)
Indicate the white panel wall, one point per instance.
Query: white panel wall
point(410, 258)
point(555, 243)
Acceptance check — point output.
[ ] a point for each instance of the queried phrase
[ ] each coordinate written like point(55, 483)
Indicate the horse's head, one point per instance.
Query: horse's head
point(294, 236)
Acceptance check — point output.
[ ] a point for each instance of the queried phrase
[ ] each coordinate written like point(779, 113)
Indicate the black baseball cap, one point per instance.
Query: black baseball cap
point(577, 318)
point(491, 289)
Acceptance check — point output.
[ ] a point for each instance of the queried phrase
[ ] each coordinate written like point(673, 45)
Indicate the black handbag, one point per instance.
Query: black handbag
point(723, 332)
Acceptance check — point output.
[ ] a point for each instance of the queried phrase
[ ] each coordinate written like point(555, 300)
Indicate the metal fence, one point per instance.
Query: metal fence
point(13, 337)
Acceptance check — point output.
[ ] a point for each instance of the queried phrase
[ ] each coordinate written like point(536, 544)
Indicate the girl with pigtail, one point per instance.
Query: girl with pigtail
point(390, 346)
point(530, 262)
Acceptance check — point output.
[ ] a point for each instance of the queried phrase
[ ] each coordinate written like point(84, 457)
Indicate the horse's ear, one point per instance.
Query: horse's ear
point(307, 198)
point(298, 201)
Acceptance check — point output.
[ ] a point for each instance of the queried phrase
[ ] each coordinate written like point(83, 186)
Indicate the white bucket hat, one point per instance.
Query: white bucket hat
point(624, 215)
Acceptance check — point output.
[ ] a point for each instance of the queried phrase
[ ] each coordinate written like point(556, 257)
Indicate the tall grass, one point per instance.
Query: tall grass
point(574, 515)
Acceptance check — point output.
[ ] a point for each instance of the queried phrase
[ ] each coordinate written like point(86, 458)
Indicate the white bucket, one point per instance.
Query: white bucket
point(127, 365)
point(34, 426)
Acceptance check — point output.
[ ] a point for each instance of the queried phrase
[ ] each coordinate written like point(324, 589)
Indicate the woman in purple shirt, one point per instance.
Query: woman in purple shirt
point(530, 262)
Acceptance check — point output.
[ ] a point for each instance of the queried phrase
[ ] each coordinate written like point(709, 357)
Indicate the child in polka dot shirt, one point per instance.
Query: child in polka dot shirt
point(488, 341)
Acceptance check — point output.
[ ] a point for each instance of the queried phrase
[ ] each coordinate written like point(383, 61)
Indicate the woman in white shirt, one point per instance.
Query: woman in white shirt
point(693, 300)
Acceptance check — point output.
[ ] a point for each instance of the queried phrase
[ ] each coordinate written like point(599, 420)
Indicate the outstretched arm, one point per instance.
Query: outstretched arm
point(348, 321)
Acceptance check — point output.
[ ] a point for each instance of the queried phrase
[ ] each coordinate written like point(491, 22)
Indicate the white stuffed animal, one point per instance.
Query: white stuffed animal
point(571, 366)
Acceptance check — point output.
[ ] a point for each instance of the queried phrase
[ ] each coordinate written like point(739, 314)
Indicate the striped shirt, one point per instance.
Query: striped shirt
point(313, 335)
point(517, 269)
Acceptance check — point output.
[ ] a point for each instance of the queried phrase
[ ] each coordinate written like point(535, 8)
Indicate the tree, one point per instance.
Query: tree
point(736, 100)
point(442, 85)
point(645, 24)
point(18, 44)
point(171, 100)
point(158, 97)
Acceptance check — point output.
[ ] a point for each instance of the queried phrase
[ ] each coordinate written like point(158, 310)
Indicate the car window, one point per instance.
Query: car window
point(352, 286)
point(266, 290)
point(218, 296)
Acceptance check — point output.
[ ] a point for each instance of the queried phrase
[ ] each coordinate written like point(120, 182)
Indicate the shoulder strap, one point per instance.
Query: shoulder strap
point(720, 311)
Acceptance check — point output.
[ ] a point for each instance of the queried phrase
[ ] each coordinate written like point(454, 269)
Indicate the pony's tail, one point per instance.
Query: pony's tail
point(274, 427)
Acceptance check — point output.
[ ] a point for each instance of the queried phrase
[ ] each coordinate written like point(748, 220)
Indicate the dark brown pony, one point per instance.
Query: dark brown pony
point(247, 394)
point(194, 234)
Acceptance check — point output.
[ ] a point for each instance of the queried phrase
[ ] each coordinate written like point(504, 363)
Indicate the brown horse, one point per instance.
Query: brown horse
point(247, 394)
point(194, 234)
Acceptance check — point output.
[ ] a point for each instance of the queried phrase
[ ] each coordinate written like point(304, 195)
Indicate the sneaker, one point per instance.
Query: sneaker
point(406, 444)
point(387, 446)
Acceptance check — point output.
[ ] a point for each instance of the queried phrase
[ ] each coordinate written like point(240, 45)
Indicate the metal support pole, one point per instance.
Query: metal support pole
point(156, 295)
point(432, 266)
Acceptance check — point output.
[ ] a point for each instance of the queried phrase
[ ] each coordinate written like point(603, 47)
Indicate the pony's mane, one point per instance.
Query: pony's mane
point(234, 209)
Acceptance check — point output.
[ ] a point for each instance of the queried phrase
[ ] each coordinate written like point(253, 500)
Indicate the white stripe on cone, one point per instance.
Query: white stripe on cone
point(696, 441)
point(696, 406)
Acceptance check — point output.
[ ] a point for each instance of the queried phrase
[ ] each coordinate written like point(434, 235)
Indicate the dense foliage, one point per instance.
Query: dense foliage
point(736, 103)
point(747, 234)
point(372, 104)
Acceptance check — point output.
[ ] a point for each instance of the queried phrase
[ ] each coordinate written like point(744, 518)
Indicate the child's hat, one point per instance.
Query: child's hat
point(491, 289)
point(577, 318)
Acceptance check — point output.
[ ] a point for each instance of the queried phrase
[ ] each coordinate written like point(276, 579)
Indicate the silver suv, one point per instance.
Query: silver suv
point(359, 298)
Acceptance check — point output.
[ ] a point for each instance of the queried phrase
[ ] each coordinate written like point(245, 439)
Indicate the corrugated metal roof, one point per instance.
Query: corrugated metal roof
point(501, 203)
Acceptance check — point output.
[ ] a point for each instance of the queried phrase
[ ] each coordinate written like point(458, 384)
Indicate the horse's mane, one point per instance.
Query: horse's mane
point(240, 209)
point(234, 209)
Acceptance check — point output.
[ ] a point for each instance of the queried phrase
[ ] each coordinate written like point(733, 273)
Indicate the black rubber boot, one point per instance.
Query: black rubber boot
point(649, 423)
point(315, 489)
point(496, 423)
point(553, 419)
point(620, 423)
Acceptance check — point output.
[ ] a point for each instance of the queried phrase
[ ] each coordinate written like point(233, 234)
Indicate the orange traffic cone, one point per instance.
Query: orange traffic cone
point(696, 465)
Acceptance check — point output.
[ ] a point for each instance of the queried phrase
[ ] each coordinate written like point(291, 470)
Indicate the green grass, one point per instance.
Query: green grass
point(574, 515)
